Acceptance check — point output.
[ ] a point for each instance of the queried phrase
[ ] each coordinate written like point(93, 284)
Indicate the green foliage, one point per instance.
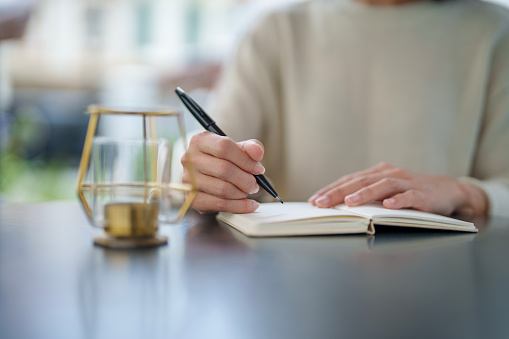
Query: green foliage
point(24, 180)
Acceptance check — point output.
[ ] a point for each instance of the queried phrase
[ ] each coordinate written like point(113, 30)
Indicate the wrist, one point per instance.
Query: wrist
point(475, 200)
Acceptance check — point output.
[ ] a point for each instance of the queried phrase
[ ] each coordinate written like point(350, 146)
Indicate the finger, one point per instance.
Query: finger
point(337, 195)
point(383, 166)
point(253, 148)
point(409, 199)
point(206, 203)
point(226, 149)
point(224, 171)
point(378, 191)
point(220, 188)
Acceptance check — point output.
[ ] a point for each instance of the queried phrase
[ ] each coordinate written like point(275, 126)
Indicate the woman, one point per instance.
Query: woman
point(412, 97)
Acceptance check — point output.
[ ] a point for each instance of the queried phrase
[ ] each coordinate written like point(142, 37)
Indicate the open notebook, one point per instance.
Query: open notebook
point(301, 218)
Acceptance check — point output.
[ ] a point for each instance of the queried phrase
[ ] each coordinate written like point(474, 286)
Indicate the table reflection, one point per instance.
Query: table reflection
point(136, 293)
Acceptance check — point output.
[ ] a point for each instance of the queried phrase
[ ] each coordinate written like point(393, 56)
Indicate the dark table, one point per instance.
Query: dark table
point(213, 282)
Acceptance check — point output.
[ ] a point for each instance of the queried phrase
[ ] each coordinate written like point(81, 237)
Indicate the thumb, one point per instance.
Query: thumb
point(253, 148)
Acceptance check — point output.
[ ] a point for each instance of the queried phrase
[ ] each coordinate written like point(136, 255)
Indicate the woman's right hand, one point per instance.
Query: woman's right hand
point(224, 172)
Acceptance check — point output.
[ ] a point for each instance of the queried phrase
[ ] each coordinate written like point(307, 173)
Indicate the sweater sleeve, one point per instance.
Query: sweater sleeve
point(491, 164)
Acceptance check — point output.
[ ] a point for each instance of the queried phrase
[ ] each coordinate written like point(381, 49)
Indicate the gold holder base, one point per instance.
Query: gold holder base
point(131, 225)
point(131, 220)
point(108, 241)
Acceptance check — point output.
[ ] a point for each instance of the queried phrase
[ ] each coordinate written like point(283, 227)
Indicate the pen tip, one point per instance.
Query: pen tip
point(278, 198)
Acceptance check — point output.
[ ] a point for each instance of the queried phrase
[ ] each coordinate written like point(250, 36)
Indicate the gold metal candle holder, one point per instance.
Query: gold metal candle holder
point(124, 185)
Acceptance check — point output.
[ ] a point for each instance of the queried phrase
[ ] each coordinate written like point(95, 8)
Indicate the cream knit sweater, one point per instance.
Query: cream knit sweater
point(336, 86)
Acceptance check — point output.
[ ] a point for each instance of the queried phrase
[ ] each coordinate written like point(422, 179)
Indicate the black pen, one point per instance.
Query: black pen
point(206, 121)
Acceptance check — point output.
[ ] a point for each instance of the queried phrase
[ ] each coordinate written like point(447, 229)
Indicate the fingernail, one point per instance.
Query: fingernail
point(353, 198)
point(313, 197)
point(255, 190)
point(259, 169)
point(255, 205)
point(323, 201)
point(390, 201)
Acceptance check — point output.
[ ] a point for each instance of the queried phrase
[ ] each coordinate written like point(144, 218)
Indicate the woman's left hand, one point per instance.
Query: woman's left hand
point(397, 188)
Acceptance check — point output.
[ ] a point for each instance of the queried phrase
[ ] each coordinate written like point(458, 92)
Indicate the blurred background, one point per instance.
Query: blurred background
point(59, 56)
